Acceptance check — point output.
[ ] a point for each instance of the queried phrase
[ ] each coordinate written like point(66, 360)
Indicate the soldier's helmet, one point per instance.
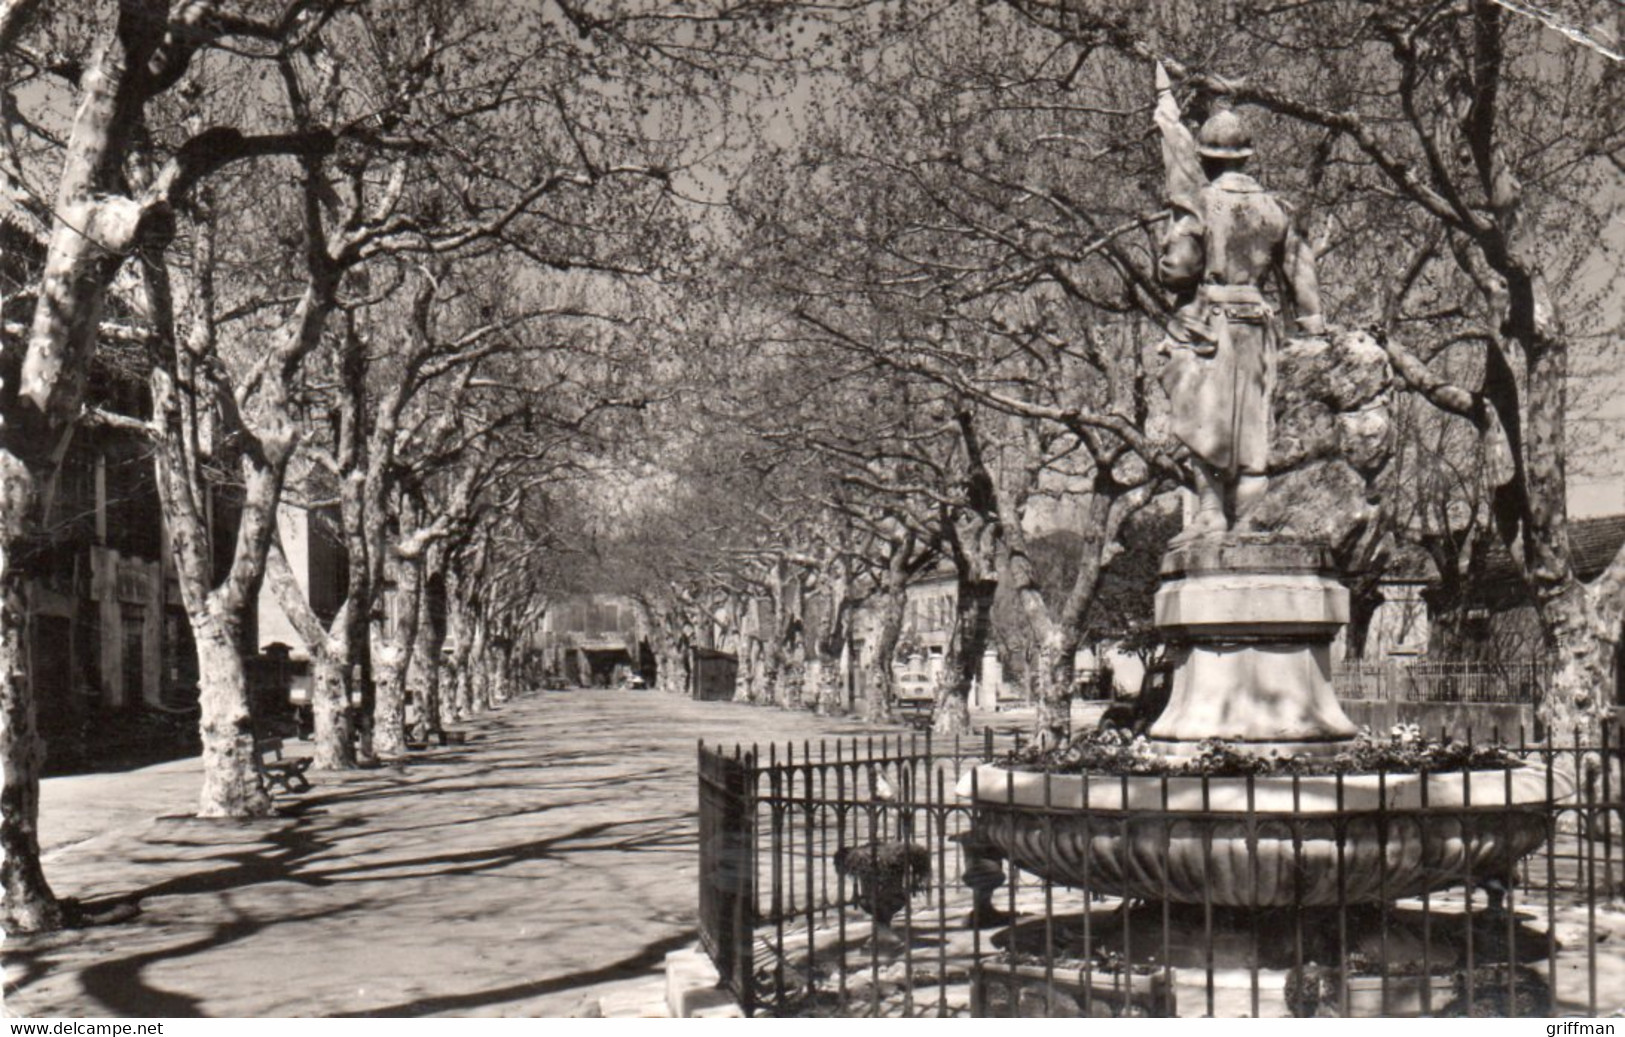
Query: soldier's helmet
point(1224, 135)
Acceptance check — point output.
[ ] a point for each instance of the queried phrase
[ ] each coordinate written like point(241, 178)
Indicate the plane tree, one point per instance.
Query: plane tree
point(393, 128)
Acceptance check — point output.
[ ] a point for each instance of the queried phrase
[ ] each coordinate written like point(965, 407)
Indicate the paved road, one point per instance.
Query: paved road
point(545, 863)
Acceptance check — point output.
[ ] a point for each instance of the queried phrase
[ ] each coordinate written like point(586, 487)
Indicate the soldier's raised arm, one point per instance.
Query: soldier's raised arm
point(1182, 167)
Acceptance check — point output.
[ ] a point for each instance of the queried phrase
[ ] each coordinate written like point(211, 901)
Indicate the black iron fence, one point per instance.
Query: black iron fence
point(903, 877)
point(1435, 680)
point(727, 860)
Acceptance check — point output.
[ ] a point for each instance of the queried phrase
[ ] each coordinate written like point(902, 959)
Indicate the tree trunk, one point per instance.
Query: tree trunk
point(787, 660)
point(880, 702)
point(1584, 638)
point(792, 683)
point(950, 713)
point(426, 658)
point(1582, 629)
point(90, 224)
point(216, 612)
point(1052, 697)
point(1053, 684)
point(769, 672)
point(389, 691)
point(417, 688)
point(392, 655)
point(676, 672)
point(502, 670)
point(30, 906)
point(451, 710)
point(231, 785)
point(828, 641)
point(329, 650)
point(745, 674)
point(231, 780)
point(474, 664)
point(389, 695)
point(92, 221)
point(454, 683)
point(329, 706)
point(762, 676)
point(668, 645)
point(489, 674)
point(827, 697)
point(449, 657)
point(880, 699)
point(975, 537)
point(462, 688)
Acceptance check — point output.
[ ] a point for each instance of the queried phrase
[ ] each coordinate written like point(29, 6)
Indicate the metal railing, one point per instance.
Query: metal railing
point(727, 861)
point(1426, 680)
point(850, 877)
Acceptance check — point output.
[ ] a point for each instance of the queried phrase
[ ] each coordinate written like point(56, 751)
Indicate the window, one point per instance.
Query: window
point(132, 621)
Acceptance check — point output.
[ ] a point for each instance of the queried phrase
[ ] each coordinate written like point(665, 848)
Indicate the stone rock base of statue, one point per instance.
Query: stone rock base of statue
point(1249, 622)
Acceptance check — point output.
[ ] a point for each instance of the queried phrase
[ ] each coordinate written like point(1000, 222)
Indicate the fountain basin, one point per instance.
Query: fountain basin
point(1309, 841)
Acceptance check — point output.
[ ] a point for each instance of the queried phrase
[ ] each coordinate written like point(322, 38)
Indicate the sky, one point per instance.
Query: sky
point(1596, 421)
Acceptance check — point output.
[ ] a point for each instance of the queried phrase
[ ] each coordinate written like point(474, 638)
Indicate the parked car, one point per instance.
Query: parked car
point(915, 686)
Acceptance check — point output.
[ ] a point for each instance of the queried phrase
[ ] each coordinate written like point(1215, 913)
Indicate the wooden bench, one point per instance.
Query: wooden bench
point(278, 772)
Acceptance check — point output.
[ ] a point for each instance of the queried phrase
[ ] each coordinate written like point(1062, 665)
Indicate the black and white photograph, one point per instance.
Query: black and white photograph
point(784, 509)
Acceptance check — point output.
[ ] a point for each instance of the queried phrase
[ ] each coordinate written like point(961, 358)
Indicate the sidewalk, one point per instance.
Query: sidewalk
point(547, 862)
point(81, 807)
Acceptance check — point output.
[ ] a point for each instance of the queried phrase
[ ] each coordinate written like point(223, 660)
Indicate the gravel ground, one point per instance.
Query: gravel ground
point(545, 863)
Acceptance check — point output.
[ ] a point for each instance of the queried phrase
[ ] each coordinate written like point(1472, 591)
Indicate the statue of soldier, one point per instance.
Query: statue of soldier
point(1225, 237)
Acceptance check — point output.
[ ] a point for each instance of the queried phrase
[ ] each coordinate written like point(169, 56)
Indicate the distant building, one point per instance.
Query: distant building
point(594, 639)
point(1481, 642)
point(1400, 626)
point(930, 613)
point(1499, 620)
point(101, 606)
point(108, 629)
point(313, 543)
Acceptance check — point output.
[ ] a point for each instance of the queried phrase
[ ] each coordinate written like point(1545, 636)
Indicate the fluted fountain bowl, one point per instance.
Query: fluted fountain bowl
point(1270, 841)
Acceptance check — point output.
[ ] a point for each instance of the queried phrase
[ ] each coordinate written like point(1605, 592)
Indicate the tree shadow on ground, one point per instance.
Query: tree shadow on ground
point(288, 855)
point(118, 983)
point(489, 859)
point(24, 967)
point(319, 839)
point(630, 967)
point(504, 815)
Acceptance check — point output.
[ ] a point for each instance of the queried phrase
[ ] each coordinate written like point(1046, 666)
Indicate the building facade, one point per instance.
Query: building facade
point(108, 631)
point(595, 640)
point(315, 552)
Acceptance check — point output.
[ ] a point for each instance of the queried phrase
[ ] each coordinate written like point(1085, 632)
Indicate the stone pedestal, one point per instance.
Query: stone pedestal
point(1250, 623)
